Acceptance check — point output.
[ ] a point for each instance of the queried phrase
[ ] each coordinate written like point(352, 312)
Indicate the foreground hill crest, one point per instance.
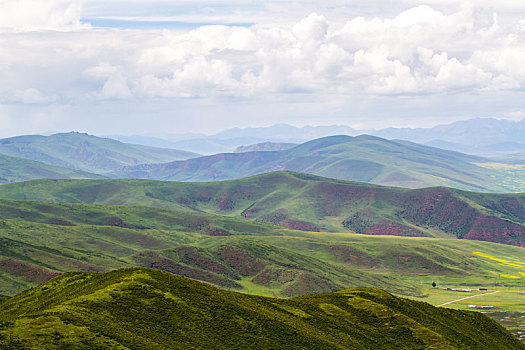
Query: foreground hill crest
point(147, 309)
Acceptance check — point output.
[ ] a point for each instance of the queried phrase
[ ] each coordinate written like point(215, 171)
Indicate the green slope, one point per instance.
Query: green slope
point(13, 169)
point(310, 203)
point(146, 309)
point(40, 239)
point(86, 152)
point(362, 158)
point(32, 253)
point(24, 265)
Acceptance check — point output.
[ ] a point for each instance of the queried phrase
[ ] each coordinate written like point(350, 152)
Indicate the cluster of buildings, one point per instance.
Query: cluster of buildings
point(483, 307)
point(465, 289)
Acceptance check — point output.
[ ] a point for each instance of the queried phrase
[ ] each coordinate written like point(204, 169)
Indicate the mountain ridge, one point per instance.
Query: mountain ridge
point(362, 158)
point(81, 151)
point(458, 135)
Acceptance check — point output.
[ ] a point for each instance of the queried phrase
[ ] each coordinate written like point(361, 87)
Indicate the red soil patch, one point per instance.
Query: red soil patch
point(118, 222)
point(191, 256)
point(493, 229)
point(394, 229)
point(240, 261)
point(338, 196)
point(217, 232)
point(510, 206)
point(29, 272)
point(225, 203)
point(272, 275)
point(300, 225)
point(438, 208)
point(308, 283)
point(351, 256)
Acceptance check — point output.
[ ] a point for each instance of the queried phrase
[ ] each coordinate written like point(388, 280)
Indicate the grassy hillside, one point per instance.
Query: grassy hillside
point(146, 309)
point(32, 253)
point(362, 158)
point(40, 239)
point(86, 152)
point(13, 169)
point(308, 202)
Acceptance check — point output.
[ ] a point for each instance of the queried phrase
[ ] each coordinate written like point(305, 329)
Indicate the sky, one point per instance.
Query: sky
point(159, 67)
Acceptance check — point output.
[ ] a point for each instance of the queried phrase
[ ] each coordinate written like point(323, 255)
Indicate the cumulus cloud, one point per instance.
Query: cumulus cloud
point(419, 50)
point(27, 15)
point(115, 85)
point(30, 96)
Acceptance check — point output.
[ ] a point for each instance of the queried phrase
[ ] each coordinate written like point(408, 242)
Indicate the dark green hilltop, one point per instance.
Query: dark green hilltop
point(148, 309)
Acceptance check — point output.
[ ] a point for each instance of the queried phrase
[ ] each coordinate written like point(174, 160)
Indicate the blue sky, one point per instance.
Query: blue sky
point(161, 67)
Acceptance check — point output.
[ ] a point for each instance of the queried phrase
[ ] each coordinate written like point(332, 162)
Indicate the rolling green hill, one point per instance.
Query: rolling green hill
point(13, 169)
point(41, 239)
point(308, 202)
point(239, 258)
point(86, 152)
point(147, 309)
point(362, 158)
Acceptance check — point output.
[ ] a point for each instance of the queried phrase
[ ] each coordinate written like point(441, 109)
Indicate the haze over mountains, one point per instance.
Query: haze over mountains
point(362, 158)
point(265, 146)
point(483, 136)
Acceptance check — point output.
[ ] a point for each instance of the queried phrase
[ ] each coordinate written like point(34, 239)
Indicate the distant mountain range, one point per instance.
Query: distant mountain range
point(86, 152)
point(228, 140)
point(363, 158)
point(478, 132)
point(482, 136)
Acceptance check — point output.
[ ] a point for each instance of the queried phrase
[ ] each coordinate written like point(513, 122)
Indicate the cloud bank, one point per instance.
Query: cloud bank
point(51, 56)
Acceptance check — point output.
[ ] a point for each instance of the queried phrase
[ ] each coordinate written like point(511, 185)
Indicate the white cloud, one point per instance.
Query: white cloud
point(312, 28)
point(115, 85)
point(420, 48)
point(30, 96)
point(27, 15)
